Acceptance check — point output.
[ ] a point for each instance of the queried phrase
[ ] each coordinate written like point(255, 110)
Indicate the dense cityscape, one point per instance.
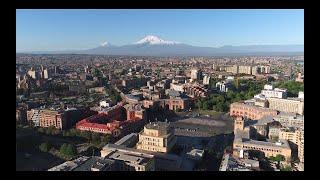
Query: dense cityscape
point(78, 112)
point(159, 90)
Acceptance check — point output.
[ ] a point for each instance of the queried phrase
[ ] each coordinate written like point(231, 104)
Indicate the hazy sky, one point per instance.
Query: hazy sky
point(83, 29)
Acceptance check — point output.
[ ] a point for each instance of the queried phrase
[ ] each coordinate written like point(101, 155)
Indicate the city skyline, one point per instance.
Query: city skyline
point(84, 29)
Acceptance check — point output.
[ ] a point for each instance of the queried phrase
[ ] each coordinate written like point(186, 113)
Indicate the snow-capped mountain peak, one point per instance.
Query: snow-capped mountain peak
point(105, 44)
point(150, 39)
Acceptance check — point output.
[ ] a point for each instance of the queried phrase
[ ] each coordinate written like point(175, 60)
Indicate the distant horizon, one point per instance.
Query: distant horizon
point(55, 30)
point(30, 51)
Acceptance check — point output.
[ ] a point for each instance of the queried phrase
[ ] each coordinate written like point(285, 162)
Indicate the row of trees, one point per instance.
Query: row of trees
point(91, 137)
point(49, 130)
point(293, 87)
point(66, 150)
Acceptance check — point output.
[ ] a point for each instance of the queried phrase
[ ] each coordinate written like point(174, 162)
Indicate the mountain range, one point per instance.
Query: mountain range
point(155, 46)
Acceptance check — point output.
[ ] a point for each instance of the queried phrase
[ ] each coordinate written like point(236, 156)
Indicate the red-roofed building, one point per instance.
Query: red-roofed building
point(110, 121)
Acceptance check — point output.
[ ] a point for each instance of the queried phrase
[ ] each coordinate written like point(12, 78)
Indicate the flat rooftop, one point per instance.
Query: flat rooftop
point(284, 143)
point(131, 157)
point(70, 165)
point(157, 125)
point(94, 162)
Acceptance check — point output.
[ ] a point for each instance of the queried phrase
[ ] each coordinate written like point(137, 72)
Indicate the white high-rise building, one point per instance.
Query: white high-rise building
point(195, 74)
point(45, 74)
point(32, 73)
point(206, 80)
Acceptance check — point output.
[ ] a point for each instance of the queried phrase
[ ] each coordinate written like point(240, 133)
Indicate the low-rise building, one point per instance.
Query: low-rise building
point(97, 90)
point(290, 120)
point(135, 112)
point(175, 104)
point(274, 92)
point(243, 139)
point(269, 149)
point(85, 163)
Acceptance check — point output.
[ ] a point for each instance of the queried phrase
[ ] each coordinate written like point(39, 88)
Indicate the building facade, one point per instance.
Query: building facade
point(156, 137)
point(251, 112)
point(127, 159)
point(245, 69)
point(275, 93)
point(52, 118)
point(292, 105)
point(33, 116)
point(290, 120)
point(268, 148)
point(175, 104)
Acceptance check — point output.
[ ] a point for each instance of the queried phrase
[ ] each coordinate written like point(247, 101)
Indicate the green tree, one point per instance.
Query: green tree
point(71, 150)
point(278, 157)
point(230, 94)
point(287, 168)
point(95, 138)
point(205, 105)
point(63, 148)
point(86, 134)
point(105, 138)
point(44, 147)
point(293, 87)
point(68, 150)
point(199, 104)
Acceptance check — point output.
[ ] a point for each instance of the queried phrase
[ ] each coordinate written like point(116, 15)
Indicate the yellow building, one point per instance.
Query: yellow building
point(290, 135)
point(232, 69)
point(156, 137)
point(245, 70)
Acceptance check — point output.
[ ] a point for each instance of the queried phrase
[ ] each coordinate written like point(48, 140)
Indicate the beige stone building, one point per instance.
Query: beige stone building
point(156, 137)
point(290, 120)
point(244, 141)
point(127, 160)
point(290, 105)
point(268, 148)
point(290, 135)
